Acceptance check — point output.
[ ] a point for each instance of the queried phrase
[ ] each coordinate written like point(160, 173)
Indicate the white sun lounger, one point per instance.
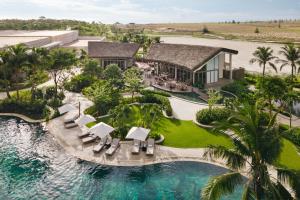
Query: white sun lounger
point(150, 146)
point(84, 133)
point(71, 125)
point(97, 148)
point(89, 139)
point(71, 116)
point(114, 146)
point(136, 146)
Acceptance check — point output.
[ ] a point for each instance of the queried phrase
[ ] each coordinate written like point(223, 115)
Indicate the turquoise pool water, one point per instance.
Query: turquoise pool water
point(33, 166)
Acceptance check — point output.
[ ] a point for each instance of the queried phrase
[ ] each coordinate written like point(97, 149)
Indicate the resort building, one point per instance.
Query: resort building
point(190, 64)
point(46, 39)
point(122, 54)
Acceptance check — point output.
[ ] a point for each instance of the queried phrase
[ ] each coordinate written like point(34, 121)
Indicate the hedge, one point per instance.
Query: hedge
point(207, 116)
point(162, 93)
point(158, 99)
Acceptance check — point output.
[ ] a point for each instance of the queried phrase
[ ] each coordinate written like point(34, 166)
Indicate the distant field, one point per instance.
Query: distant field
point(280, 32)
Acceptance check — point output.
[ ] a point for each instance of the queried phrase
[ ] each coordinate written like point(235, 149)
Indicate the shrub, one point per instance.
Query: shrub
point(207, 116)
point(162, 93)
point(78, 83)
point(293, 135)
point(35, 109)
point(239, 88)
point(54, 103)
point(158, 99)
point(50, 92)
point(155, 135)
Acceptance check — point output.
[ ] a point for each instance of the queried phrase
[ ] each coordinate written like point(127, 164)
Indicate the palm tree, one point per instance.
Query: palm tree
point(289, 99)
point(256, 145)
point(292, 57)
point(36, 62)
point(264, 56)
point(5, 71)
point(17, 61)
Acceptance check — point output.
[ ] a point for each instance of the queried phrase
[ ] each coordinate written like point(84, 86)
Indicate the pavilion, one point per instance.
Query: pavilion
point(190, 64)
point(122, 54)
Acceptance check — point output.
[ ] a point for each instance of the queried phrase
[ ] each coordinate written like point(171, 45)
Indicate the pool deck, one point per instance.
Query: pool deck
point(68, 138)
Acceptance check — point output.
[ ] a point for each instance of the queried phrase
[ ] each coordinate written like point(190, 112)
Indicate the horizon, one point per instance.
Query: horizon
point(152, 12)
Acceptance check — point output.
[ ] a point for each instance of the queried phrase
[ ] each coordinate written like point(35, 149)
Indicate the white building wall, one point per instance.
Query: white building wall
point(221, 64)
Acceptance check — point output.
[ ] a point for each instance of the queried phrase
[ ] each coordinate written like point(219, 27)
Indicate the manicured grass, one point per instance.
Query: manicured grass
point(186, 134)
point(289, 156)
point(178, 133)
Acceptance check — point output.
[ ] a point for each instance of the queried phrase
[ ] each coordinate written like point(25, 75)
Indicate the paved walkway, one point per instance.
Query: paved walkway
point(185, 110)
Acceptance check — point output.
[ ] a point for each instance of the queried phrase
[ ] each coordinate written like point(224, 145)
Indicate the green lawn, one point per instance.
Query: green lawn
point(178, 133)
point(289, 156)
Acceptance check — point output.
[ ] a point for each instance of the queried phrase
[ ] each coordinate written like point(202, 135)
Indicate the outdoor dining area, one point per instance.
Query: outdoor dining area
point(163, 81)
point(101, 134)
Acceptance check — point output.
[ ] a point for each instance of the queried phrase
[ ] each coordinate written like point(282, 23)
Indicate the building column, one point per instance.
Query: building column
point(175, 73)
point(193, 74)
point(230, 66)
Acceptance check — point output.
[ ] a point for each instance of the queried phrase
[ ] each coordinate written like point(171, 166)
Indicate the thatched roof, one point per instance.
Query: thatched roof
point(189, 56)
point(112, 49)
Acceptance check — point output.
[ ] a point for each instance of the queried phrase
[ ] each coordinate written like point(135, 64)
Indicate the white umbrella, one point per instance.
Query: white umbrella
point(66, 108)
point(101, 130)
point(138, 133)
point(84, 119)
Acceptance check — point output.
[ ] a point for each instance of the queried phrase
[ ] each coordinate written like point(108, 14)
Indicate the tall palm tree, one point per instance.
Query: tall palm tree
point(264, 56)
point(36, 62)
point(292, 58)
point(17, 61)
point(256, 145)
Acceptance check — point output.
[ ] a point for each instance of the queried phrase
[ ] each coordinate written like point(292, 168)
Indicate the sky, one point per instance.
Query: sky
point(152, 11)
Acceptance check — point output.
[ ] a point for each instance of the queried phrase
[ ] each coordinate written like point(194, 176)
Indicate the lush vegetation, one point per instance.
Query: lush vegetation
point(19, 64)
point(256, 142)
point(177, 133)
point(208, 116)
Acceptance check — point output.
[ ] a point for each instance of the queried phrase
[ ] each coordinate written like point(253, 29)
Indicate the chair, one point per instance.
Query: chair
point(89, 139)
point(150, 146)
point(70, 125)
point(136, 146)
point(71, 116)
point(84, 134)
point(100, 145)
point(114, 146)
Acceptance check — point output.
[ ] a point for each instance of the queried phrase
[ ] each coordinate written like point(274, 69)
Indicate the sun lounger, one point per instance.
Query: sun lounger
point(136, 146)
point(84, 133)
point(114, 146)
point(150, 146)
point(100, 145)
point(71, 116)
point(89, 139)
point(71, 125)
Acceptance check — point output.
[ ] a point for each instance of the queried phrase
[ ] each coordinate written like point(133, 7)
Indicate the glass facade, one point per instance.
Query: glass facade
point(119, 62)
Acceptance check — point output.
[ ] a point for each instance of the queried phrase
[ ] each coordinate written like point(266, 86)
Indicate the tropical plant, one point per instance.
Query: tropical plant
point(264, 56)
point(150, 114)
point(59, 60)
point(119, 116)
point(5, 71)
point(113, 74)
point(291, 54)
point(133, 80)
point(257, 145)
point(92, 68)
point(271, 88)
point(17, 61)
point(289, 99)
point(37, 63)
point(213, 97)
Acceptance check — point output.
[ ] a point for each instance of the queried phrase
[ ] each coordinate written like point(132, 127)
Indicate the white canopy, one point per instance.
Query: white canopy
point(66, 108)
point(138, 133)
point(84, 119)
point(101, 130)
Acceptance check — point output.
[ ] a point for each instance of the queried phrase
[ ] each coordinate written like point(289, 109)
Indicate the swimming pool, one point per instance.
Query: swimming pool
point(34, 166)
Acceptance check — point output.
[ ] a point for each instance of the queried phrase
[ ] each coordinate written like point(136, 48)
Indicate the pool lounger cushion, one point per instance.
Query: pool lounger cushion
point(136, 146)
point(114, 146)
point(89, 139)
point(150, 146)
point(71, 116)
point(84, 134)
point(97, 148)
